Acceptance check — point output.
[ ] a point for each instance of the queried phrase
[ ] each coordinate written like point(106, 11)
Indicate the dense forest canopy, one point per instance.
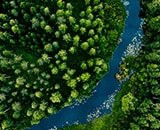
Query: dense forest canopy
point(137, 105)
point(52, 52)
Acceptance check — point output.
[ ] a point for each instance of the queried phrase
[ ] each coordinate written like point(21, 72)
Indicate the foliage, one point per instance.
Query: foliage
point(137, 105)
point(50, 55)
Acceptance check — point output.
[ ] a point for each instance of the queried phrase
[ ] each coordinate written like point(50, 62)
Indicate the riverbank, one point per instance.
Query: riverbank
point(136, 105)
point(52, 53)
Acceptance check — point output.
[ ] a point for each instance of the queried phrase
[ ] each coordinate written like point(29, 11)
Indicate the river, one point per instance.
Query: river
point(103, 95)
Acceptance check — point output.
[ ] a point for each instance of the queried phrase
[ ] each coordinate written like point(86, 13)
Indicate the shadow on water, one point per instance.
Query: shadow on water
point(103, 95)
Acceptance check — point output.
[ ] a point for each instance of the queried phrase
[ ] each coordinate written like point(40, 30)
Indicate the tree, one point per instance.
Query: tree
point(16, 106)
point(39, 94)
point(48, 29)
point(63, 66)
point(85, 76)
point(76, 40)
point(88, 10)
point(46, 11)
point(38, 114)
point(55, 45)
point(60, 4)
point(82, 22)
point(87, 2)
point(3, 17)
point(35, 22)
point(43, 24)
point(14, 12)
point(92, 51)
point(72, 20)
point(72, 50)
point(16, 115)
point(46, 58)
point(56, 97)
point(96, 2)
point(76, 27)
point(72, 83)
point(128, 103)
point(43, 105)
point(74, 94)
point(60, 12)
point(57, 34)
point(66, 77)
point(84, 46)
point(33, 10)
point(48, 47)
point(15, 29)
point(88, 23)
point(60, 20)
point(67, 37)
point(83, 65)
point(6, 123)
point(90, 41)
point(62, 28)
point(20, 81)
point(51, 110)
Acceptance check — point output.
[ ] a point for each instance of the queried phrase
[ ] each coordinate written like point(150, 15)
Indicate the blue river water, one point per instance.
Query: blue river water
point(103, 95)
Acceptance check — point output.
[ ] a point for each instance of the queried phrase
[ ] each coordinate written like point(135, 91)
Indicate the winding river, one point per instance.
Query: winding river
point(103, 95)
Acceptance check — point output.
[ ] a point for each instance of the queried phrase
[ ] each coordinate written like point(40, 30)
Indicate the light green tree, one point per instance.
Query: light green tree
point(92, 51)
point(74, 94)
point(85, 76)
point(72, 50)
point(84, 46)
point(35, 22)
point(67, 37)
point(83, 65)
point(48, 29)
point(72, 83)
point(69, 6)
point(63, 66)
point(48, 47)
point(62, 28)
point(128, 103)
point(16, 106)
point(54, 70)
point(76, 40)
point(38, 114)
point(20, 81)
point(60, 12)
point(56, 97)
point(39, 94)
point(46, 11)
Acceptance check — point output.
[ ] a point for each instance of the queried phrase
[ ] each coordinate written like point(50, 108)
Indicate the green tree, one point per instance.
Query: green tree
point(67, 37)
point(56, 97)
point(48, 29)
point(38, 115)
point(46, 11)
point(128, 103)
point(62, 28)
point(74, 94)
point(85, 76)
point(84, 46)
point(20, 81)
point(35, 22)
point(16, 106)
point(76, 40)
point(7, 123)
point(48, 47)
point(92, 51)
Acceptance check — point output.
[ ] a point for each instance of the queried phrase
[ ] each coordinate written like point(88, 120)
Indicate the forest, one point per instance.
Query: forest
point(52, 52)
point(137, 105)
